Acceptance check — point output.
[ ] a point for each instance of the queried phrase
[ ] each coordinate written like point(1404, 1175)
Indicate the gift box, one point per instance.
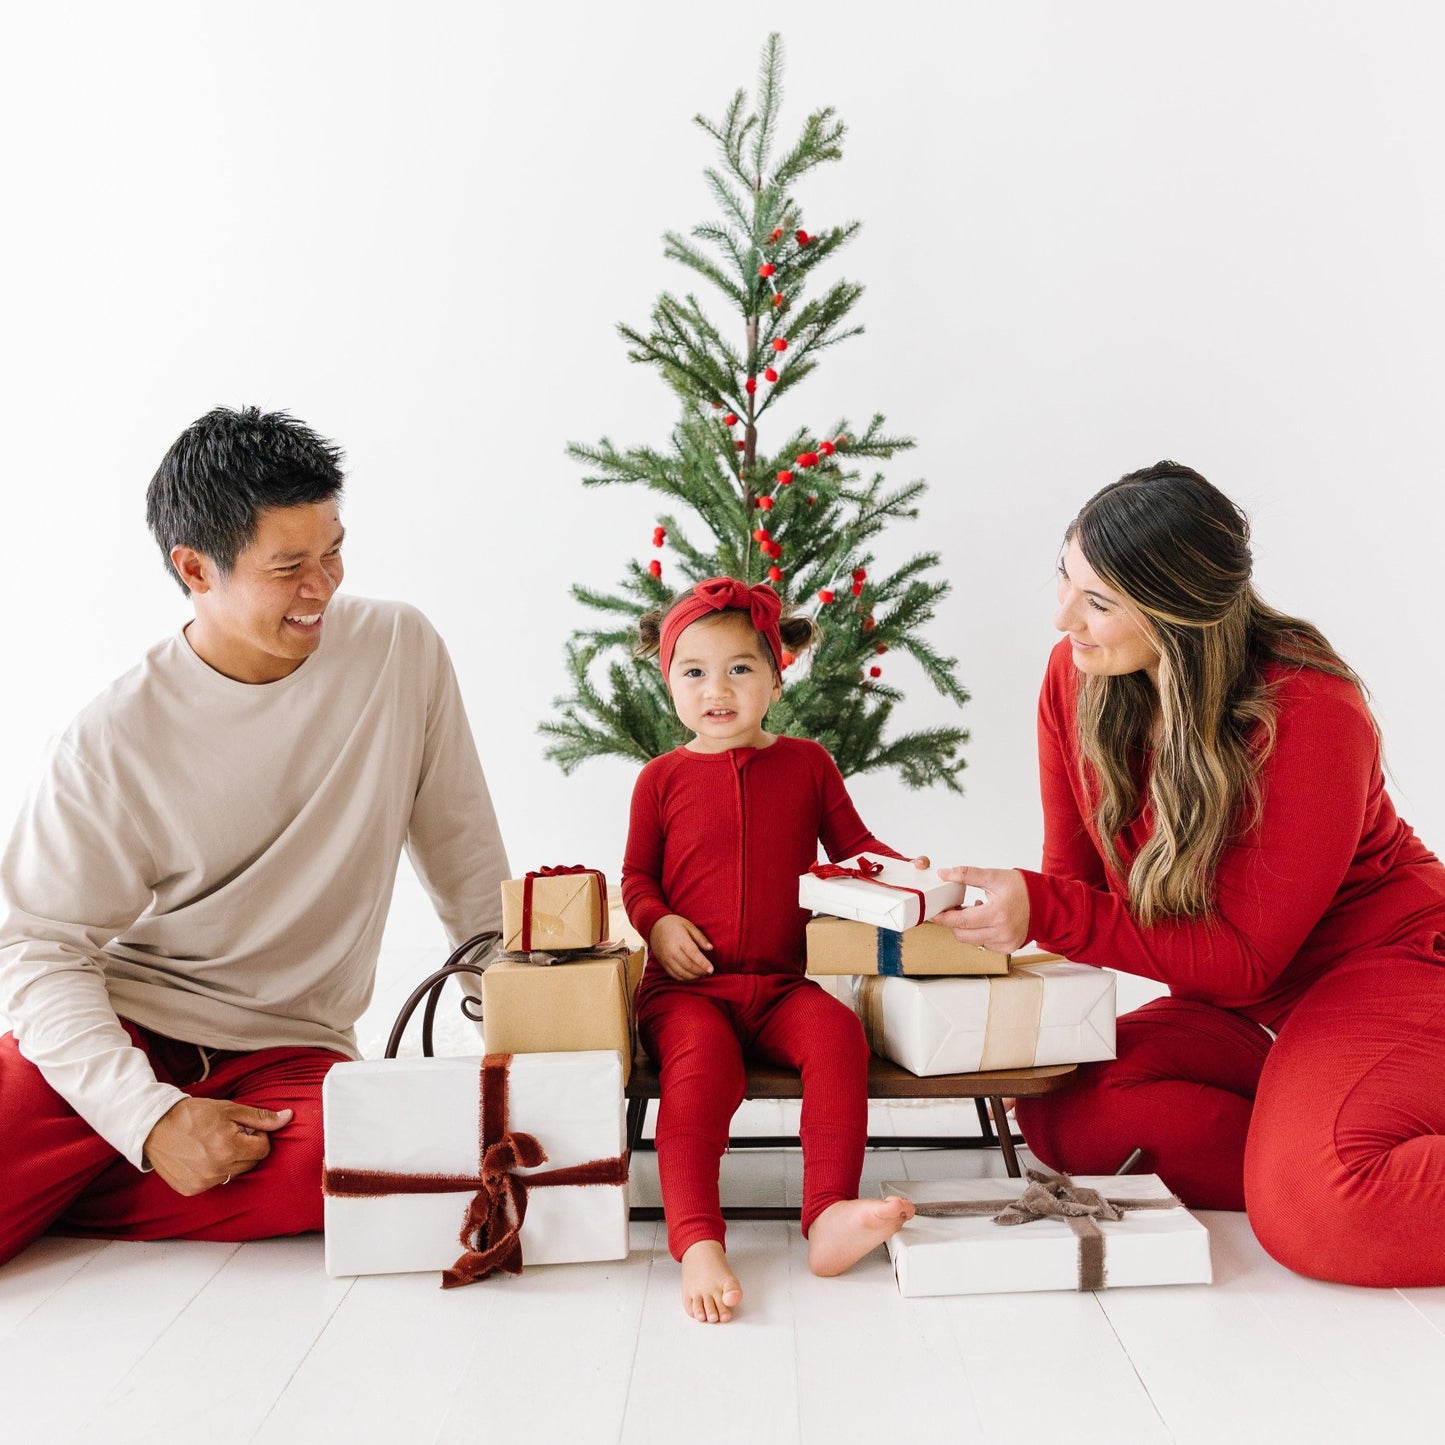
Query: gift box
point(886, 892)
point(471, 1165)
point(839, 945)
point(553, 908)
point(581, 1002)
point(1045, 1011)
point(958, 1248)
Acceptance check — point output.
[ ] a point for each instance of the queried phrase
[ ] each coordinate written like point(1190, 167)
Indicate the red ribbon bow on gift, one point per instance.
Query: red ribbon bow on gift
point(867, 871)
point(491, 1232)
point(561, 871)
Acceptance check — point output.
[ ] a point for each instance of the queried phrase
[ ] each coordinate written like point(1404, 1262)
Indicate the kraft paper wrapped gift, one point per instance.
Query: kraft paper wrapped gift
point(1046, 1012)
point(584, 1002)
point(404, 1154)
point(841, 946)
point(1156, 1241)
point(886, 892)
point(554, 908)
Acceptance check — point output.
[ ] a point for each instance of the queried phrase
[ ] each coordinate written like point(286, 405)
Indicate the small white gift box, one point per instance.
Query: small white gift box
point(1156, 1241)
point(892, 894)
point(419, 1151)
point(1038, 1013)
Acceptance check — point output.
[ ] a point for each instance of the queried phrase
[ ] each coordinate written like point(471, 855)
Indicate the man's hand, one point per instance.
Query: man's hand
point(200, 1143)
point(1001, 922)
point(677, 945)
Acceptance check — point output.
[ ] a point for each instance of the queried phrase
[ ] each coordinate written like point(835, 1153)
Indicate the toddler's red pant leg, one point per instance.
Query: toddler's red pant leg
point(1345, 1171)
point(811, 1031)
point(282, 1195)
point(48, 1153)
point(700, 1062)
point(1181, 1089)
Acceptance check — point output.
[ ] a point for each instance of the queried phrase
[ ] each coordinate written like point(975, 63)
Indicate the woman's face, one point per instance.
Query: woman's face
point(1110, 635)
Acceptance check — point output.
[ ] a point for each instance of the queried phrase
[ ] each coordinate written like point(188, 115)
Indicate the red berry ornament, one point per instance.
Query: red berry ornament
point(808, 459)
point(881, 648)
point(769, 374)
point(766, 269)
point(731, 419)
point(776, 236)
point(655, 567)
point(827, 448)
point(780, 344)
point(750, 385)
point(784, 478)
point(803, 238)
point(811, 500)
point(777, 298)
point(788, 659)
point(659, 536)
point(775, 574)
point(875, 672)
point(859, 574)
point(869, 624)
point(766, 503)
point(857, 589)
point(826, 596)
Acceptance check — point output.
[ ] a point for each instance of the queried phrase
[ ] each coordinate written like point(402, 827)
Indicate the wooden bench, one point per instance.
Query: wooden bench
point(885, 1081)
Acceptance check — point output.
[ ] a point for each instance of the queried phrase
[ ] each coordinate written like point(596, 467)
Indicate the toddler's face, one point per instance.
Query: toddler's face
point(723, 683)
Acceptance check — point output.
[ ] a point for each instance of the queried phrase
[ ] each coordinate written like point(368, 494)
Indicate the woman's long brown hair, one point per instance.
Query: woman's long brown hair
point(1178, 549)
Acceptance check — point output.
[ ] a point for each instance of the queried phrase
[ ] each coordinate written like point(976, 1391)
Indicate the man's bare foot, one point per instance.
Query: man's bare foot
point(844, 1232)
point(710, 1290)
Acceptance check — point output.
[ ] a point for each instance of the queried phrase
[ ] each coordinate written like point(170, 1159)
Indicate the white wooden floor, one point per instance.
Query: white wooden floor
point(191, 1343)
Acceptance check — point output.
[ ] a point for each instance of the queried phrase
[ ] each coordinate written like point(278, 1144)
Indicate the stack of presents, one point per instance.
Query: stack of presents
point(472, 1165)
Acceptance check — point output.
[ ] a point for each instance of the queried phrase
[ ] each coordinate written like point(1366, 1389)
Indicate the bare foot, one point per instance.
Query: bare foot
point(844, 1232)
point(710, 1290)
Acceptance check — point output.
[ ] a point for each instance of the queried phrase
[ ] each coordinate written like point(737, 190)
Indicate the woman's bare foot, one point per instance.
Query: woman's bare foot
point(844, 1232)
point(710, 1290)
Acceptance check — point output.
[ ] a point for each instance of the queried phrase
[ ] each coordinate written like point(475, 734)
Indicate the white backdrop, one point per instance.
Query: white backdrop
point(1094, 235)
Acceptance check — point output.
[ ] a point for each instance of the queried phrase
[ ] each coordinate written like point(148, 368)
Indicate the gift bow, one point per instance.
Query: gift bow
point(561, 871)
point(491, 1231)
point(867, 871)
point(1055, 1196)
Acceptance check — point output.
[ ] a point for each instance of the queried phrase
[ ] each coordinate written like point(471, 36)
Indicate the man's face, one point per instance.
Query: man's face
point(260, 623)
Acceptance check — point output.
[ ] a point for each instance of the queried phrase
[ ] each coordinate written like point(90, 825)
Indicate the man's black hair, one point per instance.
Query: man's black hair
point(227, 468)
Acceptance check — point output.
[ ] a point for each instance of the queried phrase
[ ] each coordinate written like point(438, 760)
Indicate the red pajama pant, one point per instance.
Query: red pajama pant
point(699, 1033)
point(1333, 1138)
point(58, 1172)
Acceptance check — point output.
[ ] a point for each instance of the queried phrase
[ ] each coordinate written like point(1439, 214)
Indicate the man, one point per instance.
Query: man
point(195, 891)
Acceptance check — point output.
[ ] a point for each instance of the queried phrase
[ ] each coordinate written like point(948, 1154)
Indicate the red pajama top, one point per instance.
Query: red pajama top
point(1330, 869)
point(722, 838)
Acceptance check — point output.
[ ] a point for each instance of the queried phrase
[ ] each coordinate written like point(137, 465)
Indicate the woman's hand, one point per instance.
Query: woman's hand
point(1001, 922)
point(677, 945)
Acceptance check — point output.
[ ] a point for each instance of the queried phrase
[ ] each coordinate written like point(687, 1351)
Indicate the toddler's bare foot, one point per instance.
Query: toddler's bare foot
point(710, 1290)
point(844, 1232)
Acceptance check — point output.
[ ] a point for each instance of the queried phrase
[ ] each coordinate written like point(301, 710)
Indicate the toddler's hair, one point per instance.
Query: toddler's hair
point(798, 632)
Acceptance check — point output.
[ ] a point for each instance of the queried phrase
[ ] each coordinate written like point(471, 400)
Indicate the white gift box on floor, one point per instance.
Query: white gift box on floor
point(973, 1255)
point(412, 1117)
point(1037, 1013)
point(868, 901)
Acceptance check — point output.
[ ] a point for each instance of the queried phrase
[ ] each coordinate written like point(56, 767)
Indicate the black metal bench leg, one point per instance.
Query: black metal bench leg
point(984, 1127)
point(636, 1119)
point(1005, 1137)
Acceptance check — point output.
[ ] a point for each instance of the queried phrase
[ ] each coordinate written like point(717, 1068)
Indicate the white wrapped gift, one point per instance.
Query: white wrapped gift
point(403, 1146)
point(1157, 1243)
point(893, 894)
point(1037, 1013)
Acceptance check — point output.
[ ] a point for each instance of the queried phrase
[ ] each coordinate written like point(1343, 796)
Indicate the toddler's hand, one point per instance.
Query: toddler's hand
point(677, 945)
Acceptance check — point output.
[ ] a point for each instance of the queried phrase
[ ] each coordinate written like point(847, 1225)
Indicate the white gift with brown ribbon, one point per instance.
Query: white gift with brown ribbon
point(1051, 1012)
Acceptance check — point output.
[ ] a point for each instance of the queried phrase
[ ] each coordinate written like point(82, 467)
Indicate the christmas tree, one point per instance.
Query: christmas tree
point(797, 512)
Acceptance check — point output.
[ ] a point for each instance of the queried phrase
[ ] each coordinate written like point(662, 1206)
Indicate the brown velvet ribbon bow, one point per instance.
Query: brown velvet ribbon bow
point(866, 872)
point(561, 871)
point(1056, 1196)
point(491, 1232)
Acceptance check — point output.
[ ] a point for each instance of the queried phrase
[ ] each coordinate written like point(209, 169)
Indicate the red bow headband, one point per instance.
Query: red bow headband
point(719, 594)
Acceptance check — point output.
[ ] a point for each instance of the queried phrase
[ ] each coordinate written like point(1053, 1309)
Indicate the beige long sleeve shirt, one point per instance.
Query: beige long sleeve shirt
point(214, 860)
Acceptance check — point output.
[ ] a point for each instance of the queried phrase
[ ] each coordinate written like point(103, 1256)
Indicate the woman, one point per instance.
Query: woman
point(1215, 818)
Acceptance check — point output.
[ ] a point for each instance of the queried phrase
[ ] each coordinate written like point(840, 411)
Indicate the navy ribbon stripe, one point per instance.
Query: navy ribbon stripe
point(890, 952)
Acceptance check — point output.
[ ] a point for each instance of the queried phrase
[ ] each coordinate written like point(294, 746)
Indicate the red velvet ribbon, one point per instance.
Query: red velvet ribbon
point(561, 871)
point(866, 872)
point(491, 1233)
